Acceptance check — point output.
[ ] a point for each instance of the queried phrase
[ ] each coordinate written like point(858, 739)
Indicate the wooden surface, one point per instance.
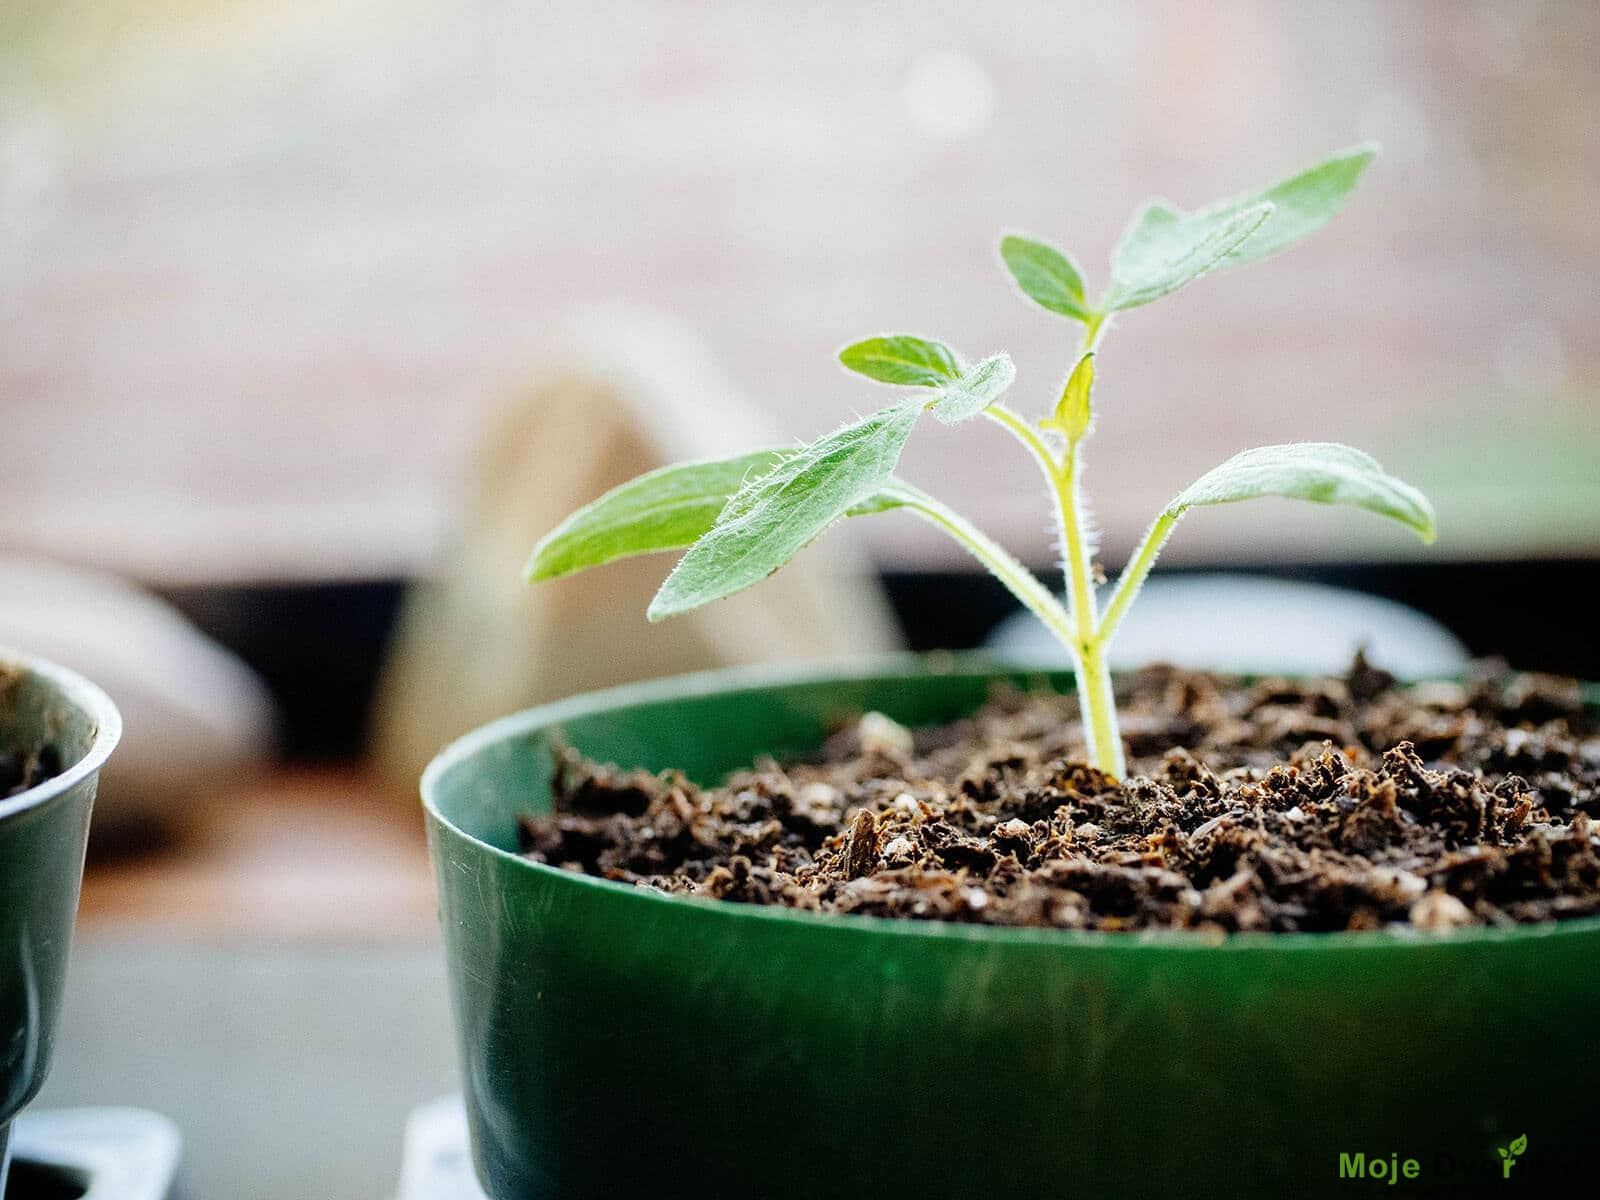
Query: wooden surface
point(303, 854)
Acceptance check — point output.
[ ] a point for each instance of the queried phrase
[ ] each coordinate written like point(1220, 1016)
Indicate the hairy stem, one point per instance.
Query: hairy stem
point(1095, 697)
point(1084, 636)
point(1019, 581)
point(1099, 707)
point(1094, 682)
point(1082, 633)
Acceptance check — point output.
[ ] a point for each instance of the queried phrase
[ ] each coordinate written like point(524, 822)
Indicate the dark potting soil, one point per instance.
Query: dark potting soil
point(1273, 805)
point(19, 772)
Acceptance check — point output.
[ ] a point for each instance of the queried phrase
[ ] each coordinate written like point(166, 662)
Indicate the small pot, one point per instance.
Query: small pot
point(43, 834)
point(618, 1041)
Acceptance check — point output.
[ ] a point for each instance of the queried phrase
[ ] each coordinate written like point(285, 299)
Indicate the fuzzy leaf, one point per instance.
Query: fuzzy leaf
point(666, 509)
point(1161, 234)
point(903, 359)
point(1164, 249)
point(1325, 472)
point(1518, 1146)
point(771, 519)
point(1301, 204)
point(1046, 276)
point(975, 390)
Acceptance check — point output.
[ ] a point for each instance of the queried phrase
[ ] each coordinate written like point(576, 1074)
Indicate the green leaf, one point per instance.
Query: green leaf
point(920, 362)
point(1072, 413)
point(666, 509)
point(1164, 249)
point(1502, 1152)
point(1518, 1146)
point(771, 519)
point(975, 390)
point(1324, 472)
point(1301, 204)
point(1046, 276)
point(903, 359)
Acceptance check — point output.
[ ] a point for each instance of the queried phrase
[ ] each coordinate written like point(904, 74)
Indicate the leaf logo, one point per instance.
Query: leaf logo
point(1509, 1157)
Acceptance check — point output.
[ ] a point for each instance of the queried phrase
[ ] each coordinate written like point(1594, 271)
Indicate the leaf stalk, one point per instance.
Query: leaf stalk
point(1018, 580)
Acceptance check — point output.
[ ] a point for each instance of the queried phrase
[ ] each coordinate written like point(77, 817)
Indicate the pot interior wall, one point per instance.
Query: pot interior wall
point(35, 712)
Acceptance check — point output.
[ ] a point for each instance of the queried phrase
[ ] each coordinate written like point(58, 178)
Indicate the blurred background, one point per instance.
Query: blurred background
point(315, 314)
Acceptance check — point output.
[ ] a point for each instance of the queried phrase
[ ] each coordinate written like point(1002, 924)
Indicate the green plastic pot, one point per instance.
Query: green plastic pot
point(43, 833)
point(615, 1041)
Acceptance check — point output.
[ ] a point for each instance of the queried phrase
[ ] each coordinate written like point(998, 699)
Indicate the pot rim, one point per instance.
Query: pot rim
point(769, 675)
point(86, 695)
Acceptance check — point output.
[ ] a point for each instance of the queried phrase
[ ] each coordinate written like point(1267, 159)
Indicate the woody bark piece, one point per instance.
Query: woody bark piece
point(630, 392)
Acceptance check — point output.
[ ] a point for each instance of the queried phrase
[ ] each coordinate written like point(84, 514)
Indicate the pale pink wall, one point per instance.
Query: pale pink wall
point(264, 273)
